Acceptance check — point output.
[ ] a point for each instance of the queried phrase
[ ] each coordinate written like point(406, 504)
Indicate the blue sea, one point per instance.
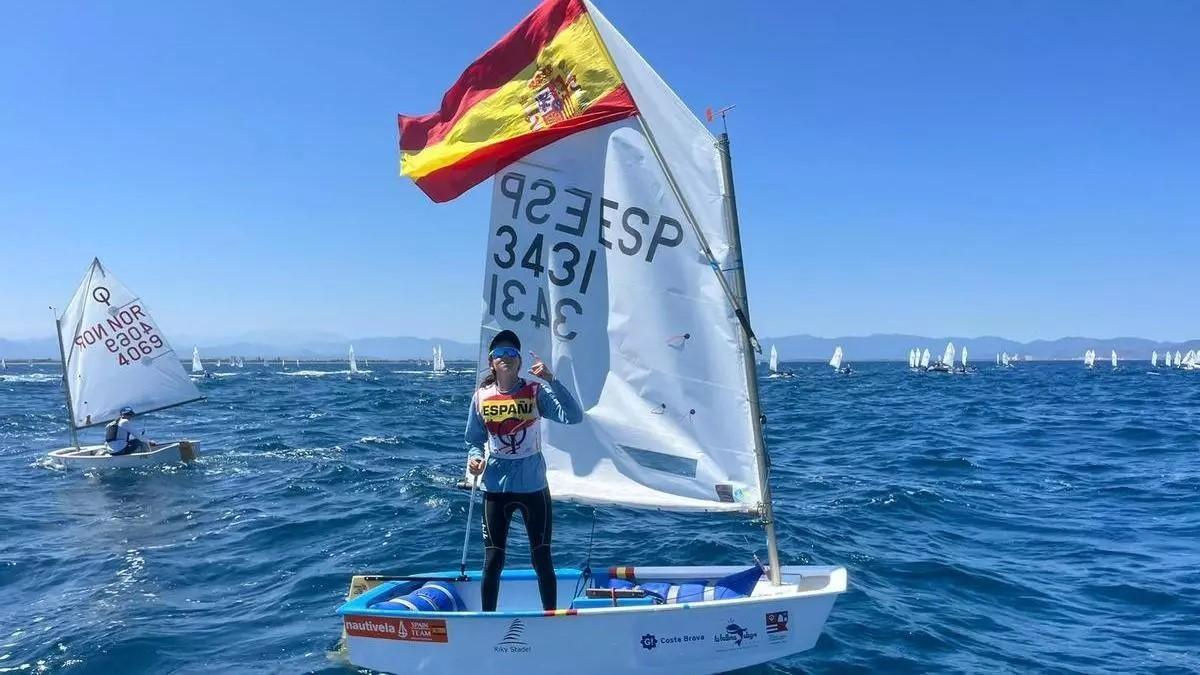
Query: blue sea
point(1035, 519)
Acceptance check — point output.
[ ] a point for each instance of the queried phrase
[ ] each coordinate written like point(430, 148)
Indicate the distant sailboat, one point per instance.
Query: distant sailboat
point(353, 363)
point(773, 366)
point(1178, 359)
point(282, 363)
point(1167, 359)
point(197, 367)
point(964, 358)
point(946, 362)
point(1114, 359)
point(925, 358)
point(913, 359)
point(1154, 359)
point(439, 363)
point(1005, 360)
point(1089, 358)
point(218, 363)
point(835, 361)
point(297, 363)
point(997, 358)
point(3, 365)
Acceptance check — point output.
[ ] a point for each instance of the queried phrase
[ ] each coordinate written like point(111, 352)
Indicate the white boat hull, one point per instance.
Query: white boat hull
point(696, 637)
point(97, 457)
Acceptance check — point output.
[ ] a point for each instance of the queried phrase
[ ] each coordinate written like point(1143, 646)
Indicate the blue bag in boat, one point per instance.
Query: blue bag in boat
point(737, 585)
point(434, 596)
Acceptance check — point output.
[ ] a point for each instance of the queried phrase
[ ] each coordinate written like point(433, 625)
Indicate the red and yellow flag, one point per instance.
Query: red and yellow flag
point(550, 77)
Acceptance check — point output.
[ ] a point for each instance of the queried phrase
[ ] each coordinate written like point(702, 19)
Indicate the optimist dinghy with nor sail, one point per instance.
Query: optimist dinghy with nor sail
point(666, 378)
point(114, 356)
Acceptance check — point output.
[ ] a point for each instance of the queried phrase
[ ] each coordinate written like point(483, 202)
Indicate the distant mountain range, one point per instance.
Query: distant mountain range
point(791, 347)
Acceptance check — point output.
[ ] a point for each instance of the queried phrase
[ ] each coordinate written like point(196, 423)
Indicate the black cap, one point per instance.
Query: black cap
point(505, 337)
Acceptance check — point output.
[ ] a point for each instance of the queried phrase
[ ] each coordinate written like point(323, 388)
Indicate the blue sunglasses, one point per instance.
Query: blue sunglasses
point(505, 353)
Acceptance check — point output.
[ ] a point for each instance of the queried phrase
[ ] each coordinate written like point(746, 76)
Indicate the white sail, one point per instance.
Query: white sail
point(912, 359)
point(774, 364)
point(197, 367)
point(1004, 360)
point(1114, 358)
point(997, 358)
point(640, 329)
point(353, 363)
point(116, 355)
point(1154, 359)
point(835, 361)
point(925, 358)
point(3, 365)
point(1167, 359)
point(1178, 358)
point(964, 357)
point(948, 355)
point(439, 362)
point(282, 363)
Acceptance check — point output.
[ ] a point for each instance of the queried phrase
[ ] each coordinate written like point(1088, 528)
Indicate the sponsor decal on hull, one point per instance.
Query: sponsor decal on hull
point(735, 636)
point(777, 627)
point(514, 641)
point(389, 628)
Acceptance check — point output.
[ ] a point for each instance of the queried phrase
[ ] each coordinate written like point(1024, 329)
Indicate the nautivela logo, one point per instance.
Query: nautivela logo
point(513, 641)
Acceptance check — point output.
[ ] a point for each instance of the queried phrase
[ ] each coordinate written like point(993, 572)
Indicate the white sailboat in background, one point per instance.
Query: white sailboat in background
point(1089, 358)
point(1005, 361)
point(997, 358)
point(964, 358)
point(913, 359)
point(353, 363)
point(650, 402)
point(773, 365)
point(1154, 359)
point(439, 363)
point(146, 376)
point(197, 366)
point(925, 359)
point(1114, 359)
point(3, 365)
point(945, 362)
point(1167, 359)
point(835, 361)
point(1191, 361)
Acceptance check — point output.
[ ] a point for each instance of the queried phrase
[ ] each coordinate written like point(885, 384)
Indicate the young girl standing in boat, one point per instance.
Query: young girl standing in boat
point(505, 416)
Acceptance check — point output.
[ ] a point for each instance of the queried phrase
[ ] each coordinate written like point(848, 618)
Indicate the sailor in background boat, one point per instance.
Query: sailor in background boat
point(505, 416)
point(122, 439)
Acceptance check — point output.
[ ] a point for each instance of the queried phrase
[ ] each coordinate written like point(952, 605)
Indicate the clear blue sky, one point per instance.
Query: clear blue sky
point(1026, 169)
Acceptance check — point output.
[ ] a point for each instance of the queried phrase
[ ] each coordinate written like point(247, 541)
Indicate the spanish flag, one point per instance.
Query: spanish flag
point(550, 77)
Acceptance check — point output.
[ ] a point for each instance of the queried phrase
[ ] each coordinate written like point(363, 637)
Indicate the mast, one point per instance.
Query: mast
point(66, 385)
point(738, 273)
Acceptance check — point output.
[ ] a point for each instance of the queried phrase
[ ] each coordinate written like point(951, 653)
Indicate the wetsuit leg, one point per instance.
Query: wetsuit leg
point(496, 518)
point(498, 510)
point(538, 515)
